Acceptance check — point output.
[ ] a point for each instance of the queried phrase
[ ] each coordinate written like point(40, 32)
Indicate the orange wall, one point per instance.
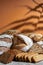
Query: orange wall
point(12, 10)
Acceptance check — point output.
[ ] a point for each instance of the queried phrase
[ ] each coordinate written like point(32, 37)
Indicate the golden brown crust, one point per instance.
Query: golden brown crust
point(35, 37)
point(37, 58)
point(28, 56)
point(12, 32)
point(20, 56)
point(36, 48)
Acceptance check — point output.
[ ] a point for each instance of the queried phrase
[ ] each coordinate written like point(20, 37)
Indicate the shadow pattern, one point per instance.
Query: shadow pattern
point(29, 18)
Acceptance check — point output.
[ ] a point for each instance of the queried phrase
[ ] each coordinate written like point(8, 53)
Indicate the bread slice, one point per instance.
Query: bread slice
point(25, 57)
point(20, 56)
point(28, 56)
point(36, 48)
point(37, 58)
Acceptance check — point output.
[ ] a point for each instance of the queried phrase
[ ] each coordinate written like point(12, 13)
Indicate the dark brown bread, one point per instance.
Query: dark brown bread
point(36, 48)
point(7, 56)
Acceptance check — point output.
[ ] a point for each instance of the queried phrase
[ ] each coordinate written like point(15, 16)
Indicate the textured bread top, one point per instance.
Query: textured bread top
point(5, 42)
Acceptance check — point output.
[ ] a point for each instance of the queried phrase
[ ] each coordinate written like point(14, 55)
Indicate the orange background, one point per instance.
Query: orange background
point(12, 10)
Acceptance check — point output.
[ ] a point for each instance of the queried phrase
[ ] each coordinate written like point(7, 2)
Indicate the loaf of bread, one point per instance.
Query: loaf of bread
point(19, 47)
point(18, 42)
point(38, 37)
point(7, 56)
point(36, 48)
point(35, 37)
point(5, 42)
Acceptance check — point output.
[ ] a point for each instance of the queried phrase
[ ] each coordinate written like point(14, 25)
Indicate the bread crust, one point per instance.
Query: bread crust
point(28, 56)
point(37, 58)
